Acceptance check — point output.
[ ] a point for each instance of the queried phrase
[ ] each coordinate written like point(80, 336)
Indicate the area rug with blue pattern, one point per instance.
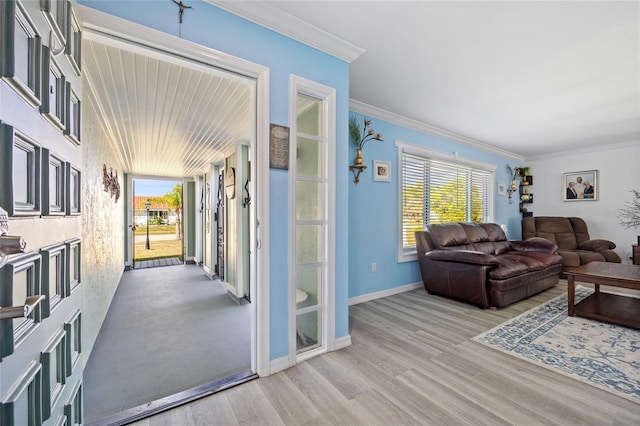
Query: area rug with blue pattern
point(601, 354)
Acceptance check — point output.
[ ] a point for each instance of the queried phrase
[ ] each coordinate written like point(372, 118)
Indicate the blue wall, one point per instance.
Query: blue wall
point(373, 209)
point(215, 28)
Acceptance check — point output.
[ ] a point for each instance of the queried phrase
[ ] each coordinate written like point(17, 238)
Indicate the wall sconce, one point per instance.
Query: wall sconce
point(357, 167)
point(514, 174)
point(513, 188)
point(359, 137)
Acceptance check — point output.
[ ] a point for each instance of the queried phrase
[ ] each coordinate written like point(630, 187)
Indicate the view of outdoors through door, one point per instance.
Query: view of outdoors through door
point(157, 212)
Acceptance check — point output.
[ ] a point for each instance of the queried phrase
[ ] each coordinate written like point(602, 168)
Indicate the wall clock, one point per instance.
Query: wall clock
point(230, 182)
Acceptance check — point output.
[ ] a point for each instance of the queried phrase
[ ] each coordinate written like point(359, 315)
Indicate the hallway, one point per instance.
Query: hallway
point(168, 329)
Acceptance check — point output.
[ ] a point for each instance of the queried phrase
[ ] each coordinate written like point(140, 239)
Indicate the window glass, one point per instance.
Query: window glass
point(435, 191)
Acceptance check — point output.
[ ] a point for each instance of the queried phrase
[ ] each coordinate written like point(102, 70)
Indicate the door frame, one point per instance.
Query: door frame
point(111, 30)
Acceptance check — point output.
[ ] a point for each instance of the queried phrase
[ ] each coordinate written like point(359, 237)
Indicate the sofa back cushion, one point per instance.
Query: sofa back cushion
point(484, 237)
point(447, 235)
point(497, 237)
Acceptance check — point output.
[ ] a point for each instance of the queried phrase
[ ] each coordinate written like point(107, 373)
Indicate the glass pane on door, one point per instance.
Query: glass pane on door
point(308, 331)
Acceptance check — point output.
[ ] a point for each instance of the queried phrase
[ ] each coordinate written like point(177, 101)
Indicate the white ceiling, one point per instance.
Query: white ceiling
point(525, 78)
point(530, 78)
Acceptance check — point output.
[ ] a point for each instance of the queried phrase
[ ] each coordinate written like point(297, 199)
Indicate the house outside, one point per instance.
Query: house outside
point(160, 212)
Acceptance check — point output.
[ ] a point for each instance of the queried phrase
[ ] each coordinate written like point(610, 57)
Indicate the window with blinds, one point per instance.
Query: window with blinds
point(435, 191)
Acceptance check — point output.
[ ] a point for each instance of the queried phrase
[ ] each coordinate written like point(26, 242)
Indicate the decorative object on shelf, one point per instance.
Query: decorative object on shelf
point(514, 174)
point(630, 215)
point(525, 196)
point(382, 170)
point(580, 186)
point(359, 137)
point(110, 182)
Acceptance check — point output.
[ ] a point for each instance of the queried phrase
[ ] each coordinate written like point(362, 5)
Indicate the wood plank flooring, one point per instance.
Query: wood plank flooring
point(412, 362)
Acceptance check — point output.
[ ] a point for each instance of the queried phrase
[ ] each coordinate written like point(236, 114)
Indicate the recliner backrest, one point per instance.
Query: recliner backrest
point(580, 228)
point(565, 232)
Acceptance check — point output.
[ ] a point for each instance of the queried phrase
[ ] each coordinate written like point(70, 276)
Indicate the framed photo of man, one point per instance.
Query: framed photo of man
point(580, 186)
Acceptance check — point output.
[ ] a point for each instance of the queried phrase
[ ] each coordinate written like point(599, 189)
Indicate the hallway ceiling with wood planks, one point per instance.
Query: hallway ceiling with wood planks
point(166, 116)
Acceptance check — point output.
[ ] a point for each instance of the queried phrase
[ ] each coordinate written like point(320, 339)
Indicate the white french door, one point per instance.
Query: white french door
point(312, 196)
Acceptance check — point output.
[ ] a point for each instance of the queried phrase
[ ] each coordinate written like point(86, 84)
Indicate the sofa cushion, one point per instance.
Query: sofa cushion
point(530, 262)
point(590, 256)
point(547, 259)
point(494, 231)
point(447, 235)
point(508, 267)
point(500, 247)
point(570, 258)
point(475, 233)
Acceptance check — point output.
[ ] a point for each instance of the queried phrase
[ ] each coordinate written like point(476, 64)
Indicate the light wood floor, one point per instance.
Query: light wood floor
point(412, 362)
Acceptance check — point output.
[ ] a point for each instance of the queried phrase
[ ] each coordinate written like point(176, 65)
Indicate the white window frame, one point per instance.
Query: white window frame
point(410, 254)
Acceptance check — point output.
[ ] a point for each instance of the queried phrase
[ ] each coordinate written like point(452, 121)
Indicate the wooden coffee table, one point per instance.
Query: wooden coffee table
point(606, 306)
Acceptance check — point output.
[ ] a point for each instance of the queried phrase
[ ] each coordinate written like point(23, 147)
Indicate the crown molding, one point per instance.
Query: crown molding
point(277, 20)
point(409, 123)
point(592, 149)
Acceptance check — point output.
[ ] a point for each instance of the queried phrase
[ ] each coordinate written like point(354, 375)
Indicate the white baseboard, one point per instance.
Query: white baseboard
point(342, 342)
point(278, 364)
point(384, 293)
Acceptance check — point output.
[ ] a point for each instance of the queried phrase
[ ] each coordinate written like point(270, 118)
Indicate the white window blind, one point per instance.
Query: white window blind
point(436, 191)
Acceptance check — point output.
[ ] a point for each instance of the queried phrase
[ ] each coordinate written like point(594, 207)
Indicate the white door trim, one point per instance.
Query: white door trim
point(111, 30)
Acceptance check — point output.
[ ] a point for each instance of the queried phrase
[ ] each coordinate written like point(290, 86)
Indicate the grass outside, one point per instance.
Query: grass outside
point(156, 229)
point(158, 250)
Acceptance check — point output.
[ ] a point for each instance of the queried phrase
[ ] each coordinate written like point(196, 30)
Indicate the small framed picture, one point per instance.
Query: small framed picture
point(580, 186)
point(502, 188)
point(382, 170)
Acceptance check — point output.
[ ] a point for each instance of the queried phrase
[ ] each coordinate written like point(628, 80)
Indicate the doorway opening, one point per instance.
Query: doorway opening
point(231, 107)
point(157, 228)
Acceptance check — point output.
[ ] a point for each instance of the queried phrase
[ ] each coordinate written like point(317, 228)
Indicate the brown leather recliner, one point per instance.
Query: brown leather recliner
point(475, 263)
point(571, 236)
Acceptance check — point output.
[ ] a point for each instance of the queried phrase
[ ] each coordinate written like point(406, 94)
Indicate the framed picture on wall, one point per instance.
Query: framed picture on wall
point(502, 189)
point(382, 170)
point(580, 186)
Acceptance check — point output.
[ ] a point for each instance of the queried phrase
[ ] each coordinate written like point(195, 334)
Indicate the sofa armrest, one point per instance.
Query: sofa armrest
point(463, 256)
point(596, 245)
point(534, 244)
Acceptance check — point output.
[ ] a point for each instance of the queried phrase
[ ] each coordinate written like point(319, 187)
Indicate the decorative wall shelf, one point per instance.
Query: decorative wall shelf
point(526, 197)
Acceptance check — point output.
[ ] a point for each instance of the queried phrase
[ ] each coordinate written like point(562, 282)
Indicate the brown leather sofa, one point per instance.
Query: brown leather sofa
point(475, 263)
point(571, 236)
